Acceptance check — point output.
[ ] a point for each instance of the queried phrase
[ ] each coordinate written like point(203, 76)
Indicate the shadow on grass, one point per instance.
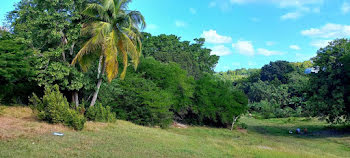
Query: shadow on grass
point(313, 131)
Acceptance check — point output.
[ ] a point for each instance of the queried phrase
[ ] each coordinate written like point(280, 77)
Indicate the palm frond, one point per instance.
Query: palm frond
point(90, 46)
point(131, 49)
point(111, 56)
point(137, 19)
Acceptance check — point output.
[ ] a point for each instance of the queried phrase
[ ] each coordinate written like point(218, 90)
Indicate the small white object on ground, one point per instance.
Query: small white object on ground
point(57, 134)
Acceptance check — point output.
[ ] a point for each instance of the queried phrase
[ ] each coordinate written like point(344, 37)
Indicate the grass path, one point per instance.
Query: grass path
point(264, 138)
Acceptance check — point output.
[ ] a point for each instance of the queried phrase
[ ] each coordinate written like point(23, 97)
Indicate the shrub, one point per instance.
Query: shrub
point(54, 108)
point(100, 113)
point(216, 103)
point(242, 125)
point(138, 100)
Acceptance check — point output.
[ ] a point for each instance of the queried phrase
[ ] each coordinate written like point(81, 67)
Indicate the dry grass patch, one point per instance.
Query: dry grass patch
point(21, 122)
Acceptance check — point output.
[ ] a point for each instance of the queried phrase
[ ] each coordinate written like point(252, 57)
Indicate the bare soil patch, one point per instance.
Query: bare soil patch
point(21, 122)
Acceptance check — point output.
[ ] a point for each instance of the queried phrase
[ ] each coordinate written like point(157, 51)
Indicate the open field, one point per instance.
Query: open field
point(21, 135)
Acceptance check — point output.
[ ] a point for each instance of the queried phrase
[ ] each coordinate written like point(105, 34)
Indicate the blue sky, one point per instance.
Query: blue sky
point(247, 33)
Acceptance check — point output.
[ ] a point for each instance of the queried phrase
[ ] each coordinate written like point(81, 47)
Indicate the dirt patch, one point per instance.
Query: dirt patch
point(95, 126)
point(179, 125)
point(264, 147)
point(242, 130)
point(20, 122)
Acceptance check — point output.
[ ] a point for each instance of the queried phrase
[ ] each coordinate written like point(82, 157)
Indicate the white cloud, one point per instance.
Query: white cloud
point(301, 7)
point(251, 63)
point(255, 19)
point(303, 57)
point(212, 4)
point(291, 15)
point(152, 26)
point(320, 43)
point(212, 37)
point(282, 3)
point(328, 31)
point(244, 47)
point(298, 3)
point(295, 47)
point(270, 43)
point(316, 10)
point(266, 52)
point(220, 50)
point(193, 11)
point(180, 23)
point(345, 8)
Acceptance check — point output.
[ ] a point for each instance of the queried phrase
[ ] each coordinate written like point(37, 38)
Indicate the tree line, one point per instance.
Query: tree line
point(287, 89)
point(123, 73)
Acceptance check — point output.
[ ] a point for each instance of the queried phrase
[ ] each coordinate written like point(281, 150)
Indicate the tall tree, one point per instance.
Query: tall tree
point(51, 28)
point(114, 34)
point(194, 58)
point(329, 88)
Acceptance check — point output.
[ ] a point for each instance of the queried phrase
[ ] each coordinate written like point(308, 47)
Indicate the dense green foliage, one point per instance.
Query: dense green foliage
point(54, 108)
point(193, 58)
point(175, 79)
point(16, 73)
point(138, 100)
point(276, 71)
point(238, 74)
point(282, 94)
point(100, 114)
point(329, 88)
point(216, 103)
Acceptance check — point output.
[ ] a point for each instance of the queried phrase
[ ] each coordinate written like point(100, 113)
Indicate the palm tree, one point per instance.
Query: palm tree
point(115, 36)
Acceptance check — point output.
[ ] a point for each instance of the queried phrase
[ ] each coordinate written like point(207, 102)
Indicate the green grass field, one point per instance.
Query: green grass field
point(263, 138)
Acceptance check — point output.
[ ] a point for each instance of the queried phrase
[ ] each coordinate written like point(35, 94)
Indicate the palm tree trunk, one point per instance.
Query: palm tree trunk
point(99, 76)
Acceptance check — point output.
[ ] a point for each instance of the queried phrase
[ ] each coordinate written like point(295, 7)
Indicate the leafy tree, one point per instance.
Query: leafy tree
point(138, 100)
point(329, 88)
point(171, 78)
point(236, 75)
point(193, 58)
point(16, 74)
point(51, 29)
point(276, 71)
point(215, 103)
point(114, 32)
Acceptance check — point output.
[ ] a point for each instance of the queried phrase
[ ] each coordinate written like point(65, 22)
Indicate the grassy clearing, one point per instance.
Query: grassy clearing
point(263, 138)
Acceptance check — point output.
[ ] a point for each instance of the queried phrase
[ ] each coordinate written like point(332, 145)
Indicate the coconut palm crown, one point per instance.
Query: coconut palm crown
point(115, 33)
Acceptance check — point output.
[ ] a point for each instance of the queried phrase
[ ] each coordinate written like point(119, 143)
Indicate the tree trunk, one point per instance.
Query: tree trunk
point(98, 86)
point(233, 122)
point(99, 67)
point(73, 97)
point(64, 56)
point(76, 98)
point(72, 48)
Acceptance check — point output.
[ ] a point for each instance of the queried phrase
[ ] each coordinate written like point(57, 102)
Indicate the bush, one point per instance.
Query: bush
point(100, 113)
point(216, 103)
point(138, 100)
point(242, 125)
point(54, 108)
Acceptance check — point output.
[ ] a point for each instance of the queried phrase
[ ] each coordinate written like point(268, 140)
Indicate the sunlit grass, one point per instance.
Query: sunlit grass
point(263, 138)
